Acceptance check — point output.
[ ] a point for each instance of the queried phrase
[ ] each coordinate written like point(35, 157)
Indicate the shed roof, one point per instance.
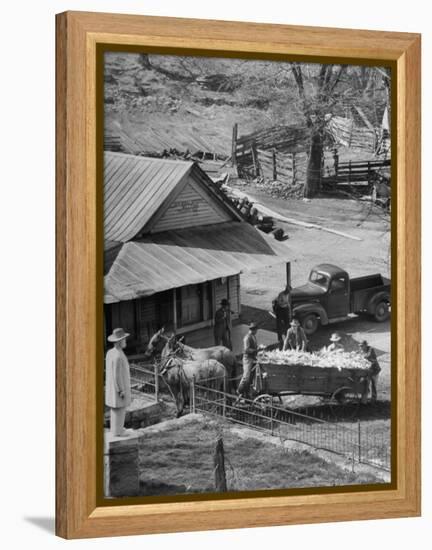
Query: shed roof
point(176, 258)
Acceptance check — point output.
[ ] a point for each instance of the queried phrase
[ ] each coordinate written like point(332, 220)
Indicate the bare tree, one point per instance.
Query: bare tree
point(316, 102)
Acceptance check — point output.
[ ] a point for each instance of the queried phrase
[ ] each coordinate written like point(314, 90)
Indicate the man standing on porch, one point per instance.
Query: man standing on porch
point(223, 325)
point(117, 383)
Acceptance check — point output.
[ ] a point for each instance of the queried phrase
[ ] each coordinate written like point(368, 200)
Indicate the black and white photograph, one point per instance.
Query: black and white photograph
point(247, 275)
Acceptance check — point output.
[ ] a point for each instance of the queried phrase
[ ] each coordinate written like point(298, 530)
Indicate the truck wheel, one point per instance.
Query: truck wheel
point(382, 312)
point(310, 323)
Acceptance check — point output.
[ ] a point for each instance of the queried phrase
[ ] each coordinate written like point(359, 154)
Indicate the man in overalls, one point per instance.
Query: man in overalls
point(296, 337)
point(250, 351)
point(369, 353)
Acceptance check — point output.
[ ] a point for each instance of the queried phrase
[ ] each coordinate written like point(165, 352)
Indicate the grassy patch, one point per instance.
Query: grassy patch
point(180, 460)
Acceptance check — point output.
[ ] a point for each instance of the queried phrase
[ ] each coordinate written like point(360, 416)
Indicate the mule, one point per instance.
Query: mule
point(220, 353)
point(179, 373)
point(156, 344)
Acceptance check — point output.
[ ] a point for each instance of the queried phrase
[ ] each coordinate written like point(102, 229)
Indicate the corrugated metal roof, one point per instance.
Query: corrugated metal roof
point(134, 188)
point(169, 136)
point(190, 256)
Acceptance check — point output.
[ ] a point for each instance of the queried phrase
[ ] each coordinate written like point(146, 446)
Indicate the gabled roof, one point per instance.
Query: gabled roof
point(136, 187)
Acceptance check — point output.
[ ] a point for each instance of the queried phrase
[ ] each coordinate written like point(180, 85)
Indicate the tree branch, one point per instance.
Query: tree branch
point(337, 78)
point(298, 76)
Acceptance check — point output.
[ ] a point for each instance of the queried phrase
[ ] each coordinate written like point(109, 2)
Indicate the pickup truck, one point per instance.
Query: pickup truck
point(331, 296)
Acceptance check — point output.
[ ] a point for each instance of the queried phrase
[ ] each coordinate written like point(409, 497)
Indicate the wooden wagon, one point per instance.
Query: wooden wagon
point(337, 386)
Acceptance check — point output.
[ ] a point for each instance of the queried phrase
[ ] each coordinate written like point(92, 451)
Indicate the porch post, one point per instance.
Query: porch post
point(288, 273)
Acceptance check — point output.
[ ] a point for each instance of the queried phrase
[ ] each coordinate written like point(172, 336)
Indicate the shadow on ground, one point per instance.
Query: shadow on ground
point(44, 523)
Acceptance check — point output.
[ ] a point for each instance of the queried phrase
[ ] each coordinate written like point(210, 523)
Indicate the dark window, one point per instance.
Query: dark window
point(338, 285)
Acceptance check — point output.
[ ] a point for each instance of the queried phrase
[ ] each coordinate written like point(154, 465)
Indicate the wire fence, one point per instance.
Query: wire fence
point(146, 378)
point(360, 443)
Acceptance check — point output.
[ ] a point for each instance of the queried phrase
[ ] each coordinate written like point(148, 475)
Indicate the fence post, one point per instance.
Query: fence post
point(349, 172)
point(219, 466)
point(271, 416)
point(336, 162)
point(156, 374)
point(274, 164)
point(224, 395)
point(193, 394)
point(254, 159)
point(359, 440)
point(234, 146)
point(294, 169)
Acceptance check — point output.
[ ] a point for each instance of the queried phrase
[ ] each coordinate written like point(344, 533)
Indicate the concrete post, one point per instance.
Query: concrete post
point(121, 458)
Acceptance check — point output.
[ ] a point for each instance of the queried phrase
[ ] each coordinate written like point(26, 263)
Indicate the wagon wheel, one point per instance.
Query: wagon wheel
point(345, 402)
point(263, 401)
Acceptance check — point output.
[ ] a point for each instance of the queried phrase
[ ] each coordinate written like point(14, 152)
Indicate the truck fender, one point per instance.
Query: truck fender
point(304, 309)
point(382, 296)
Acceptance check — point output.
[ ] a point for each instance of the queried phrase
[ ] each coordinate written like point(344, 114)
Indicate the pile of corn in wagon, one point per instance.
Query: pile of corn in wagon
point(324, 359)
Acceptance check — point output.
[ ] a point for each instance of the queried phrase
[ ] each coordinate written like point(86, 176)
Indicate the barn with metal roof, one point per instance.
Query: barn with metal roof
point(174, 247)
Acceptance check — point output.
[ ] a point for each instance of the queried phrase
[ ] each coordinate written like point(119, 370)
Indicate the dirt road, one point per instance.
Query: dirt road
point(312, 246)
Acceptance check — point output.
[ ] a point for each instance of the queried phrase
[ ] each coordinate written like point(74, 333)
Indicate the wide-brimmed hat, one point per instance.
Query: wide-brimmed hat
point(224, 302)
point(295, 322)
point(253, 326)
point(117, 335)
point(335, 337)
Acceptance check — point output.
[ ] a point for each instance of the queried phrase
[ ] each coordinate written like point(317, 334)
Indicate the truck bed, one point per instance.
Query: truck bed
point(368, 281)
point(364, 288)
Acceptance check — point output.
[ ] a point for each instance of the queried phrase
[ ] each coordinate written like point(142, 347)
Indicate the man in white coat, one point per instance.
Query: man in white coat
point(117, 382)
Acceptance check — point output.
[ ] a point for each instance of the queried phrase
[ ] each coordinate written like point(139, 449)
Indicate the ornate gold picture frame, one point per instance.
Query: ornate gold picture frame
point(82, 38)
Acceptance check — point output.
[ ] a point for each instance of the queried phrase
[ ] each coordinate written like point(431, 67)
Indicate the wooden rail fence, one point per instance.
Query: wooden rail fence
point(346, 133)
point(288, 168)
point(264, 154)
point(356, 172)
